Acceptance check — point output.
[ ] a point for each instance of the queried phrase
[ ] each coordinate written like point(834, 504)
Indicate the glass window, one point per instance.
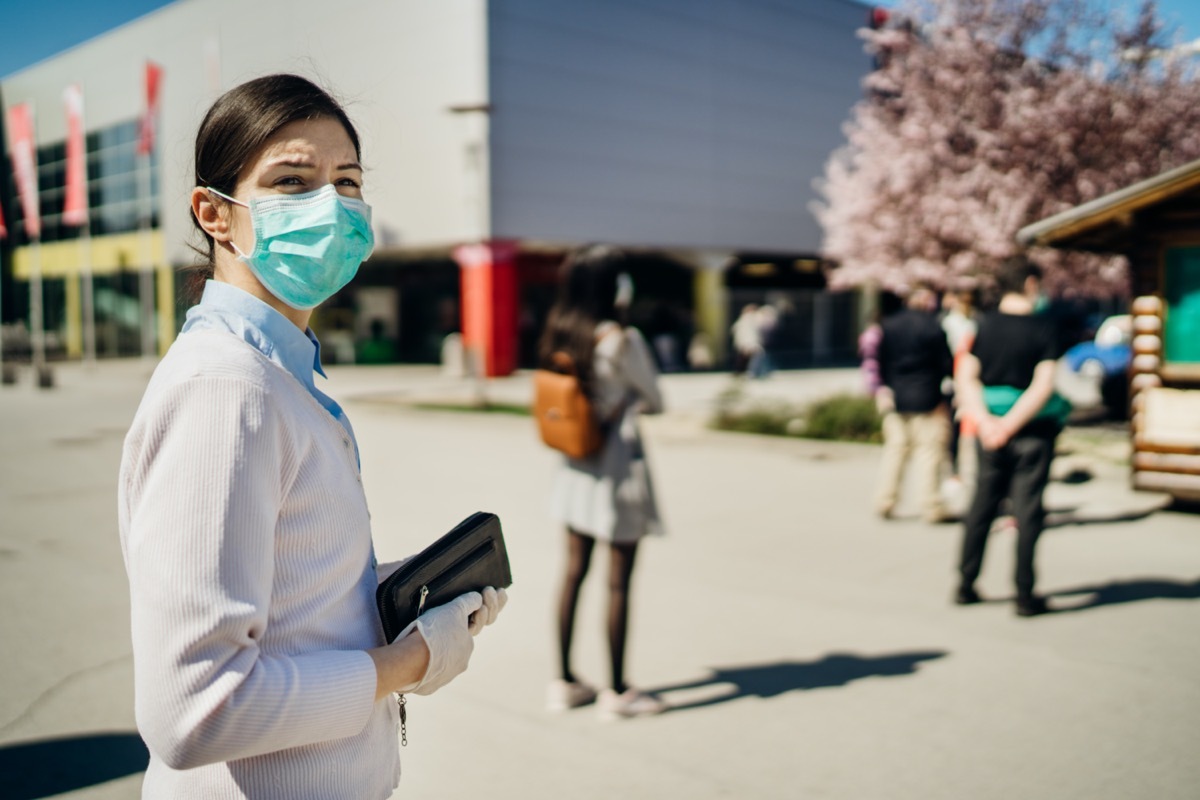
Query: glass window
point(113, 185)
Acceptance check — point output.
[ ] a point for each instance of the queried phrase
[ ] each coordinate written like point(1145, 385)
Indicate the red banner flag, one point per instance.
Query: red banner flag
point(153, 81)
point(75, 207)
point(24, 158)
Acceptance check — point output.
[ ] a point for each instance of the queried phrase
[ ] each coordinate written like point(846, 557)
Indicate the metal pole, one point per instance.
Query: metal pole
point(37, 334)
point(6, 375)
point(146, 276)
point(89, 306)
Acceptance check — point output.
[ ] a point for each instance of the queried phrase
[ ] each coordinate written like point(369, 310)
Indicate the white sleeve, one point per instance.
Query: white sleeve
point(201, 487)
point(637, 366)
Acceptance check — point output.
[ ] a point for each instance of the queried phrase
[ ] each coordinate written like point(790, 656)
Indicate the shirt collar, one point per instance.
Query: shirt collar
point(225, 306)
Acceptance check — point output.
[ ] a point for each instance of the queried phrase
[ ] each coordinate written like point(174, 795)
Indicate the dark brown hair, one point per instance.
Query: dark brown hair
point(237, 127)
point(1013, 272)
point(587, 291)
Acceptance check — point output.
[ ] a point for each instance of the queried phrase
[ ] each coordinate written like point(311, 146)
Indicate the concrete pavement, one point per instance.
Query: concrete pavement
point(810, 648)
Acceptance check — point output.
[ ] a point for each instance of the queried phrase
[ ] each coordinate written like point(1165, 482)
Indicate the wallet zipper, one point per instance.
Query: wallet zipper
point(421, 602)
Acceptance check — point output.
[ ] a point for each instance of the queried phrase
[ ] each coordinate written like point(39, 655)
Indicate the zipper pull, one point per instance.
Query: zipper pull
point(424, 597)
point(402, 702)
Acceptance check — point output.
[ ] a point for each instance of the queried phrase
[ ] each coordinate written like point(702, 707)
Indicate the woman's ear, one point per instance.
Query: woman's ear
point(212, 216)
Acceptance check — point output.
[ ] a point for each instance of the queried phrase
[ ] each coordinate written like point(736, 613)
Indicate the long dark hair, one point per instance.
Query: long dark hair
point(587, 293)
point(238, 126)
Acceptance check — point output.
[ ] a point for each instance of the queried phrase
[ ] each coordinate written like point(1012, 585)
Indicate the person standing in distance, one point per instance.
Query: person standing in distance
point(914, 359)
point(1006, 384)
point(260, 666)
point(608, 496)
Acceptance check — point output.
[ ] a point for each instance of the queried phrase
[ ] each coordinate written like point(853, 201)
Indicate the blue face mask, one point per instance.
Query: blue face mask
point(306, 246)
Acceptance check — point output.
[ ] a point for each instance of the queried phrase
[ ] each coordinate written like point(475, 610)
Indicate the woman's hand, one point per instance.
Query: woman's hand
point(494, 601)
point(435, 649)
point(446, 630)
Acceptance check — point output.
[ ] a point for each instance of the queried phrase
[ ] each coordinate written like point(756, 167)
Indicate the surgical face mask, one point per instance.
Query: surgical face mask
point(306, 246)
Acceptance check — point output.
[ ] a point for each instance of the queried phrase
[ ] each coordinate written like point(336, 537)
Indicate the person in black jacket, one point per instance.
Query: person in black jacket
point(914, 360)
point(1006, 384)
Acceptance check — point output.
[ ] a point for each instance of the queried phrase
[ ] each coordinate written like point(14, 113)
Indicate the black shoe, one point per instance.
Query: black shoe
point(1031, 606)
point(966, 596)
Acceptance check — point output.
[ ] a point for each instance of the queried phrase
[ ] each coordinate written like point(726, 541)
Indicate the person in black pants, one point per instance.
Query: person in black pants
point(1006, 383)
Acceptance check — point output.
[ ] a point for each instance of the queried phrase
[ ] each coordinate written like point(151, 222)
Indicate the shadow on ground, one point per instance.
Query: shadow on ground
point(1062, 518)
point(772, 680)
point(47, 767)
point(1131, 591)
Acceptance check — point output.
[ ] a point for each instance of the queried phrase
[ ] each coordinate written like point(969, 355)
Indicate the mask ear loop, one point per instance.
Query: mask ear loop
point(224, 196)
point(236, 202)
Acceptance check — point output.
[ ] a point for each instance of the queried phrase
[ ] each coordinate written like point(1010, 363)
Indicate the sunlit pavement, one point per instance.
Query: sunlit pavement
point(810, 649)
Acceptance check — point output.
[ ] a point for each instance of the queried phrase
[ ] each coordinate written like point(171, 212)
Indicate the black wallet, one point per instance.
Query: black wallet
point(469, 558)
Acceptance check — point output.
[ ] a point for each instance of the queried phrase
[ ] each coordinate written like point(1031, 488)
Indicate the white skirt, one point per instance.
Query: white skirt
point(609, 496)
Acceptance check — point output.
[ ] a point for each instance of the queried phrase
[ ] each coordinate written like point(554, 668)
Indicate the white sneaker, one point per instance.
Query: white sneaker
point(630, 703)
point(563, 695)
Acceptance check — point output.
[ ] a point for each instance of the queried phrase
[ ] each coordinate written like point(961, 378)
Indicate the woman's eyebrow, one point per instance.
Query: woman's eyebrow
point(300, 163)
point(291, 162)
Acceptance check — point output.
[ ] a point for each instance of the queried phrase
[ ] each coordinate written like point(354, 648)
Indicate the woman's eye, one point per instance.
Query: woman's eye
point(289, 180)
point(349, 182)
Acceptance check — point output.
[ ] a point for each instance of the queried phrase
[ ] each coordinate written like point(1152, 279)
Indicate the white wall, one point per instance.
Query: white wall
point(396, 64)
point(693, 123)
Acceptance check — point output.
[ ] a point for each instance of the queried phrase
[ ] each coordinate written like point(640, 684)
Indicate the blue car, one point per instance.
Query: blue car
point(1108, 354)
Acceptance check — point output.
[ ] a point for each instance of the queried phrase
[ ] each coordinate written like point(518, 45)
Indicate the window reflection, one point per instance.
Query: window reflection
point(113, 186)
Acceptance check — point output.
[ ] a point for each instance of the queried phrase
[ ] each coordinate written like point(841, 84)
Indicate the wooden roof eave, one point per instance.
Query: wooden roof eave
point(1102, 224)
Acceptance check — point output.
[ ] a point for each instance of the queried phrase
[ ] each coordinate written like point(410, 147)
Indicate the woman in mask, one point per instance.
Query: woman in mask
point(260, 666)
point(607, 496)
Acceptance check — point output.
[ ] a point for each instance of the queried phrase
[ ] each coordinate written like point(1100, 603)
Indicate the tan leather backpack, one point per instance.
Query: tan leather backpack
point(563, 412)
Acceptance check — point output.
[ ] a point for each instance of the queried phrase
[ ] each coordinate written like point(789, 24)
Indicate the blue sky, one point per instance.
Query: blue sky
point(31, 30)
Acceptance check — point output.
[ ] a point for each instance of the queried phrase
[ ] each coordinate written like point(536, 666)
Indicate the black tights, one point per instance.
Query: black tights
point(579, 558)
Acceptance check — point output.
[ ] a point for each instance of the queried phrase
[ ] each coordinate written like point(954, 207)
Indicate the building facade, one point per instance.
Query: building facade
point(497, 136)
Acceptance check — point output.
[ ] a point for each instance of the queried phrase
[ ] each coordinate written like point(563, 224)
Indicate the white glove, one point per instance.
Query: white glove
point(447, 634)
point(494, 601)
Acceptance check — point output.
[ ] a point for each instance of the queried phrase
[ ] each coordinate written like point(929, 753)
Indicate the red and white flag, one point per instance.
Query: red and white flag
point(150, 115)
point(75, 206)
point(24, 158)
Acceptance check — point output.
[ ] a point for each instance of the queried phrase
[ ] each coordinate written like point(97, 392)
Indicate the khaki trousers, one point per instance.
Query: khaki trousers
point(923, 439)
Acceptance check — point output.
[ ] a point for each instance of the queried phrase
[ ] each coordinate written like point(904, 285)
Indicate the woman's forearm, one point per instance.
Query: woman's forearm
point(400, 665)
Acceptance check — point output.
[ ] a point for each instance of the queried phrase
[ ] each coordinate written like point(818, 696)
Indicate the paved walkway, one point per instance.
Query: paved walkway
point(809, 648)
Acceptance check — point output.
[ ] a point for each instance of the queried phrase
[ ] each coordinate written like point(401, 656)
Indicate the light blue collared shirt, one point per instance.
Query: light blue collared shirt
point(224, 307)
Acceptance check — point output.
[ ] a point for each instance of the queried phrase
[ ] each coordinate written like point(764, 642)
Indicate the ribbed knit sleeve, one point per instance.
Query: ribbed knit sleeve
point(204, 473)
point(624, 367)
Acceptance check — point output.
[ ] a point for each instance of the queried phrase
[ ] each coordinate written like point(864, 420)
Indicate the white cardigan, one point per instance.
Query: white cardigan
point(247, 542)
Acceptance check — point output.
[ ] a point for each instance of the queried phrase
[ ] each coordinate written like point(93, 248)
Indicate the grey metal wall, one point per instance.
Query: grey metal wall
point(683, 123)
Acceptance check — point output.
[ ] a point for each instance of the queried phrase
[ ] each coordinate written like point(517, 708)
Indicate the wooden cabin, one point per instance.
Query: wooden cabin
point(1156, 225)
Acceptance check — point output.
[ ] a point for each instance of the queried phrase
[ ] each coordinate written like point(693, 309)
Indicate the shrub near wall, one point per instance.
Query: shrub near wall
point(843, 417)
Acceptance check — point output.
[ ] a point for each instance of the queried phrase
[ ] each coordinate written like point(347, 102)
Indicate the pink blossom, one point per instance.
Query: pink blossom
point(986, 116)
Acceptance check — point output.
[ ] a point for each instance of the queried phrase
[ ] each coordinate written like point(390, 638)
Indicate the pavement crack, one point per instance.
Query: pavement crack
point(54, 689)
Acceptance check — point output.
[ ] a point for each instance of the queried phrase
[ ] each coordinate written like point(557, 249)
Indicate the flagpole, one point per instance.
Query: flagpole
point(38, 337)
point(75, 212)
point(7, 375)
point(146, 278)
point(89, 304)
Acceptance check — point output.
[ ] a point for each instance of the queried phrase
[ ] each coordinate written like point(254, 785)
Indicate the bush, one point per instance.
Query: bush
point(844, 417)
